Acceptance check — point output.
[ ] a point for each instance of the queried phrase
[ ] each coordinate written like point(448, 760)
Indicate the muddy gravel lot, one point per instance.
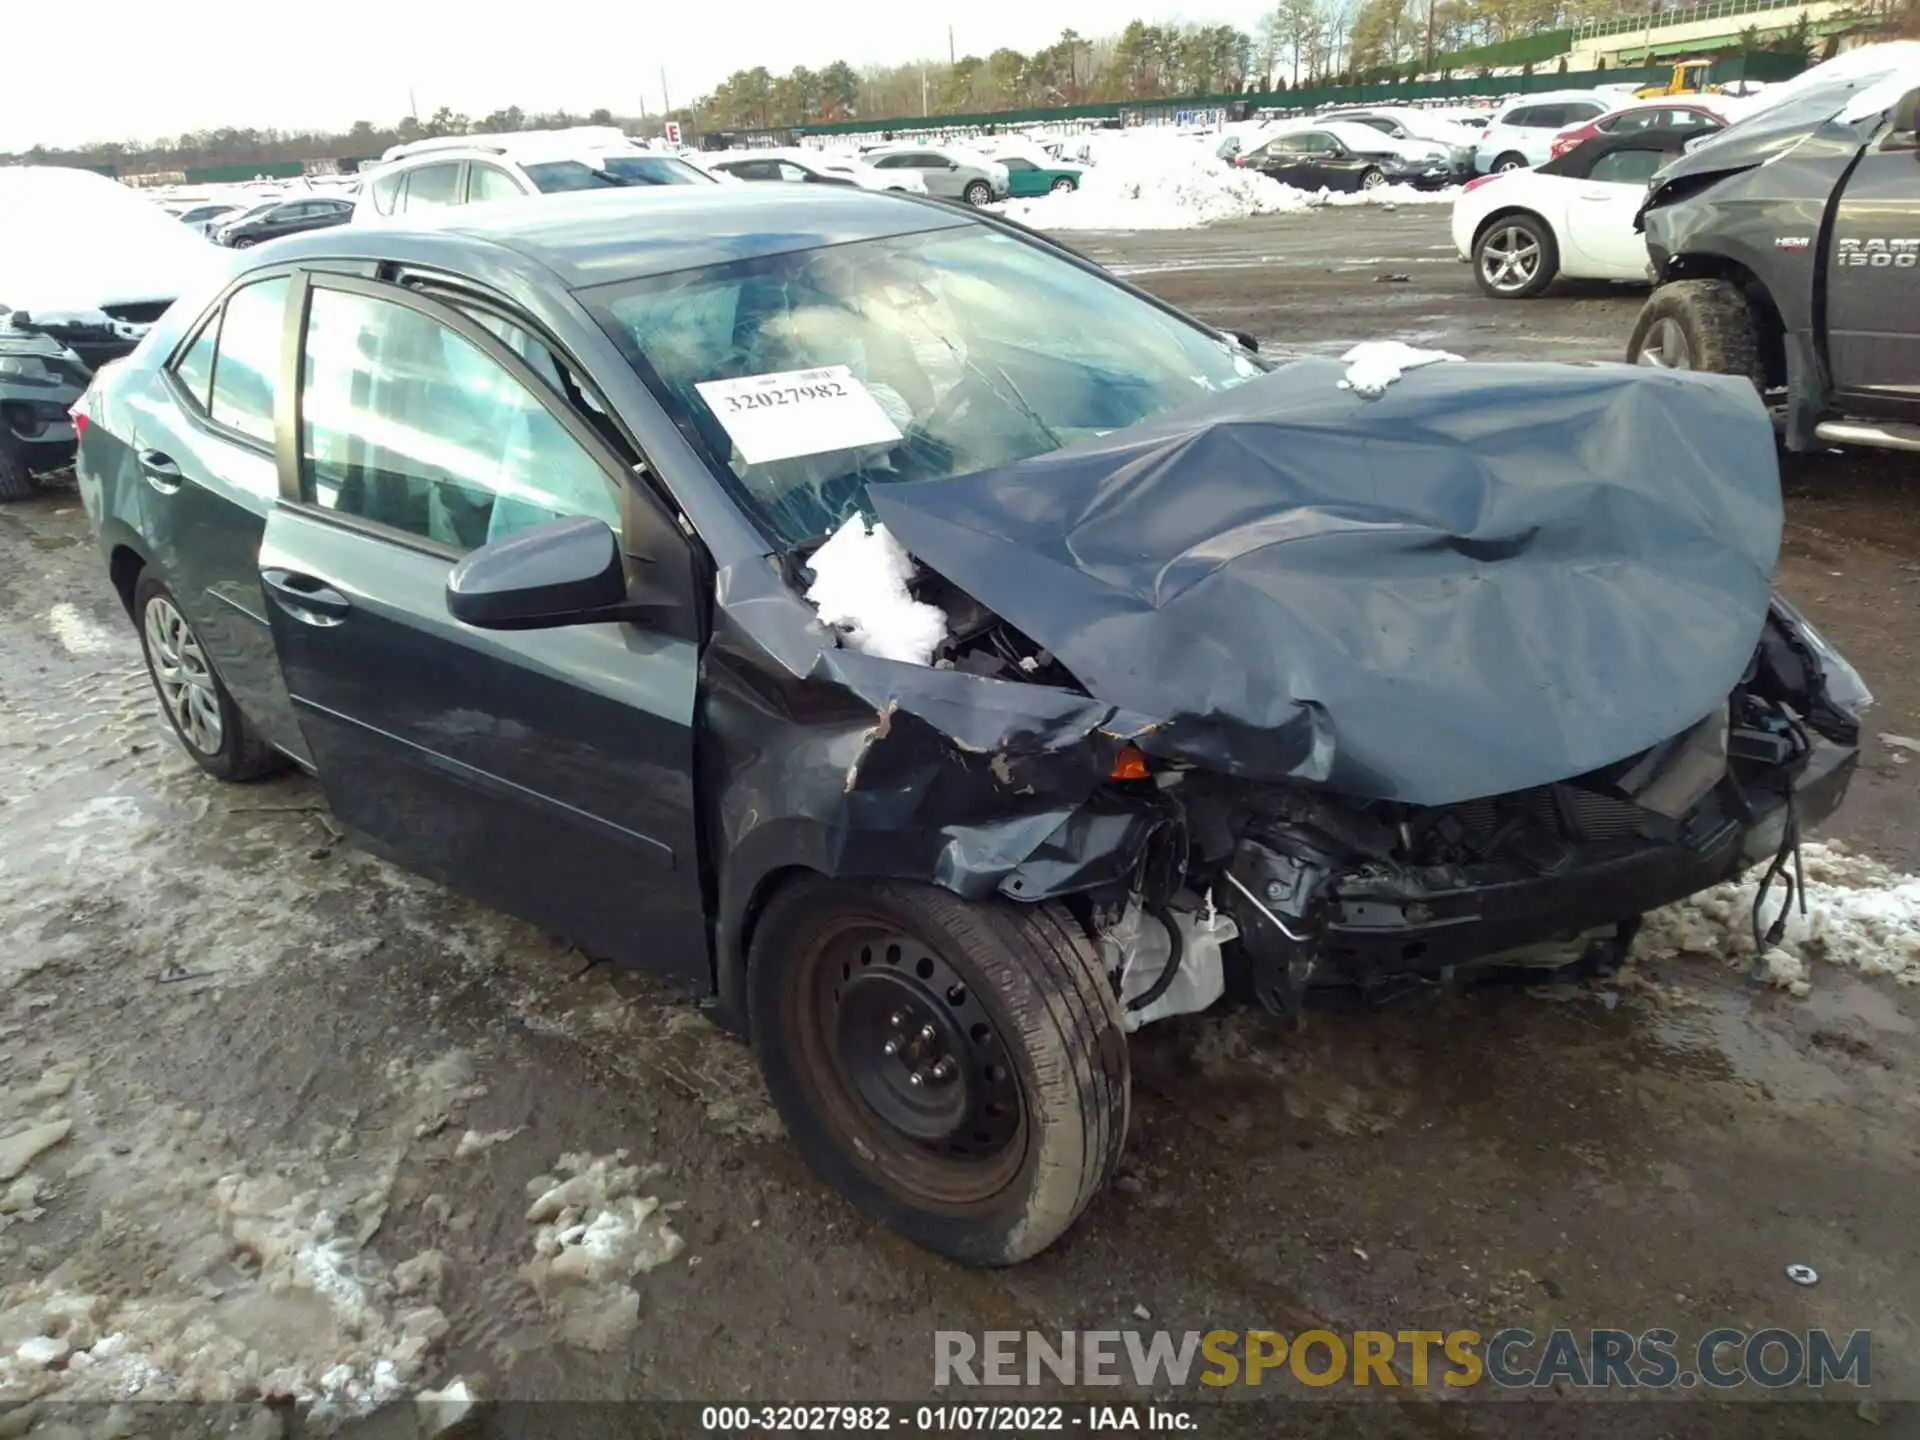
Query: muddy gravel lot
point(277, 1119)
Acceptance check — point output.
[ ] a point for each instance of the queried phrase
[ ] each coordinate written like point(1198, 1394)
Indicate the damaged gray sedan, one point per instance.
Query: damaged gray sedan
point(944, 657)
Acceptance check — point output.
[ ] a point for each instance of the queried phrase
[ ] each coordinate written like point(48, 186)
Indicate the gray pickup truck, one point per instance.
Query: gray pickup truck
point(1787, 248)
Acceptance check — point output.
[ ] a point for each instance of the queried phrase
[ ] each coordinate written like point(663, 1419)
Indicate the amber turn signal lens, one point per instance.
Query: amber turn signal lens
point(1129, 764)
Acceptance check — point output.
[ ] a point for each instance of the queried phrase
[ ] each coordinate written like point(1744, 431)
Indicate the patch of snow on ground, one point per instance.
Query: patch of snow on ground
point(1375, 364)
point(594, 1234)
point(1860, 914)
point(76, 633)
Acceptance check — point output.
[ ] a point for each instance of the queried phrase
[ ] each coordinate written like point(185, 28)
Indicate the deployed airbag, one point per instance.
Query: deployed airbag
point(1491, 577)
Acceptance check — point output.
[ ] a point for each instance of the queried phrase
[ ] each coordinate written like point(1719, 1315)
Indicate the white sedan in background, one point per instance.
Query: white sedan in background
point(1573, 216)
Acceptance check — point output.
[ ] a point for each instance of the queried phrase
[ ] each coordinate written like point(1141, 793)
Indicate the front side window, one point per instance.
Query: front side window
point(1627, 167)
point(246, 363)
point(926, 355)
point(409, 425)
point(433, 186)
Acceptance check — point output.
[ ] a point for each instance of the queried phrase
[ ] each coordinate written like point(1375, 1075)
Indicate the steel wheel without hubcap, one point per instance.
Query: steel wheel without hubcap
point(1509, 259)
point(907, 1059)
point(183, 677)
point(1665, 346)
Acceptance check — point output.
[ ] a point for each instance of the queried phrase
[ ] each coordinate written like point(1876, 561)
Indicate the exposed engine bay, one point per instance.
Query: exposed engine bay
point(1319, 889)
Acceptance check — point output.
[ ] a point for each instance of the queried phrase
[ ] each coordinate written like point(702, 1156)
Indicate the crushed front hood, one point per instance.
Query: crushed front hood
point(1492, 577)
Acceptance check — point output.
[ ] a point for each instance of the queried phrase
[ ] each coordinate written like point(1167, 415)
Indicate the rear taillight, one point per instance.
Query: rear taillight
point(79, 421)
point(1487, 134)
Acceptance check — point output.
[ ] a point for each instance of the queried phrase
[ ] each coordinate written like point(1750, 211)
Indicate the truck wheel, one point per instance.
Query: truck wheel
point(958, 1070)
point(1698, 325)
point(15, 481)
point(1515, 257)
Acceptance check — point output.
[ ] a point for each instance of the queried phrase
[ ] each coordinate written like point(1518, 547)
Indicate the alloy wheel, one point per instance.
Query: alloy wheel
point(1665, 346)
point(1372, 180)
point(979, 193)
point(183, 676)
point(1510, 258)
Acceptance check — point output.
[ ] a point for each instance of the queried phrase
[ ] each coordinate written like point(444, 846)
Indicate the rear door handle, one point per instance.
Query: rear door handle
point(160, 471)
point(305, 598)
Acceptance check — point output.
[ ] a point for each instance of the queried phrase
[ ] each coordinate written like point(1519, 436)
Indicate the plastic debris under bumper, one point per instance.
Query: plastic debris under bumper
point(1373, 937)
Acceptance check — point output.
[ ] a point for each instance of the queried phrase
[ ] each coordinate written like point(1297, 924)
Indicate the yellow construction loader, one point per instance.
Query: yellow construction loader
point(1689, 78)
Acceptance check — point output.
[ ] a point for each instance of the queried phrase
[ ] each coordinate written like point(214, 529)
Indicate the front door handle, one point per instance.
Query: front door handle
point(305, 598)
point(160, 471)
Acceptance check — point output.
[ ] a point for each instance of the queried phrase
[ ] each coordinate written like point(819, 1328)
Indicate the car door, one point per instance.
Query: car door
point(1292, 160)
point(1600, 211)
point(547, 772)
point(1873, 275)
point(944, 177)
point(204, 436)
point(1024, 177)
point(490, 182)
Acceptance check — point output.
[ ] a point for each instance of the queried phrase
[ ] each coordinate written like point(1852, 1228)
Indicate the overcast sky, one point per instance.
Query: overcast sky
point(119, 69)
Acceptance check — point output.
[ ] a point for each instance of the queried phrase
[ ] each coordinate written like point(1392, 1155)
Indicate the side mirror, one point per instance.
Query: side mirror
point(1245, 341)
point(953, 164)
point(565, 572)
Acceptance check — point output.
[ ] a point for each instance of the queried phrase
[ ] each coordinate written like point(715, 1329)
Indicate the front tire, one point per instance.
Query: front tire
point(192, 695)
point(1006, 1015)
point(1372, 179)
point(1512, 160)
point(16, 481)
point(1698, 325)
point(978, 193)
point(1063, 186)
point(1515, 257)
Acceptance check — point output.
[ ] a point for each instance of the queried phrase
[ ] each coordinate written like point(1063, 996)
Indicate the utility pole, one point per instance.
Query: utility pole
point(950, 59)
point(923, 92)
point(1432, 7)
point(413, 106)
point(666, 103)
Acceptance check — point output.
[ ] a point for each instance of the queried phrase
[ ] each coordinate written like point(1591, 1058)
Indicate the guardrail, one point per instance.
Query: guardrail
point(1684, 15)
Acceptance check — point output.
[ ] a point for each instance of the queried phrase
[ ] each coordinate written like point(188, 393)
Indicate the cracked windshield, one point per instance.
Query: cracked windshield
point(811, 376)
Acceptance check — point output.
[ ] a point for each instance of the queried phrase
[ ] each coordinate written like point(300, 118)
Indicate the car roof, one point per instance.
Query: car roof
point(1551, 97)
point(603, 237)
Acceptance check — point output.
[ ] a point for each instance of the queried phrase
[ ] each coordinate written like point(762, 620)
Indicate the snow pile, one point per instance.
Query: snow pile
point(1153, 181)
point(594, 1235)
point(1859, 914)
point(860, 588)
point(75, 241)
point(1375, 364)
point(1162, 183)
point(1389, 195)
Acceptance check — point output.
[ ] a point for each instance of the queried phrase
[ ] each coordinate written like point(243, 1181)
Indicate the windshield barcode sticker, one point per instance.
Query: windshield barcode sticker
point(798, 412)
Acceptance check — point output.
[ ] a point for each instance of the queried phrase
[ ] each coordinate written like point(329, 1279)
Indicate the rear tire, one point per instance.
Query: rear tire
point(1064, 186)
point(192, 696)
point(1004, 1011)
point(1699, 325)
point(1512, 160)
point(1515, 257)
